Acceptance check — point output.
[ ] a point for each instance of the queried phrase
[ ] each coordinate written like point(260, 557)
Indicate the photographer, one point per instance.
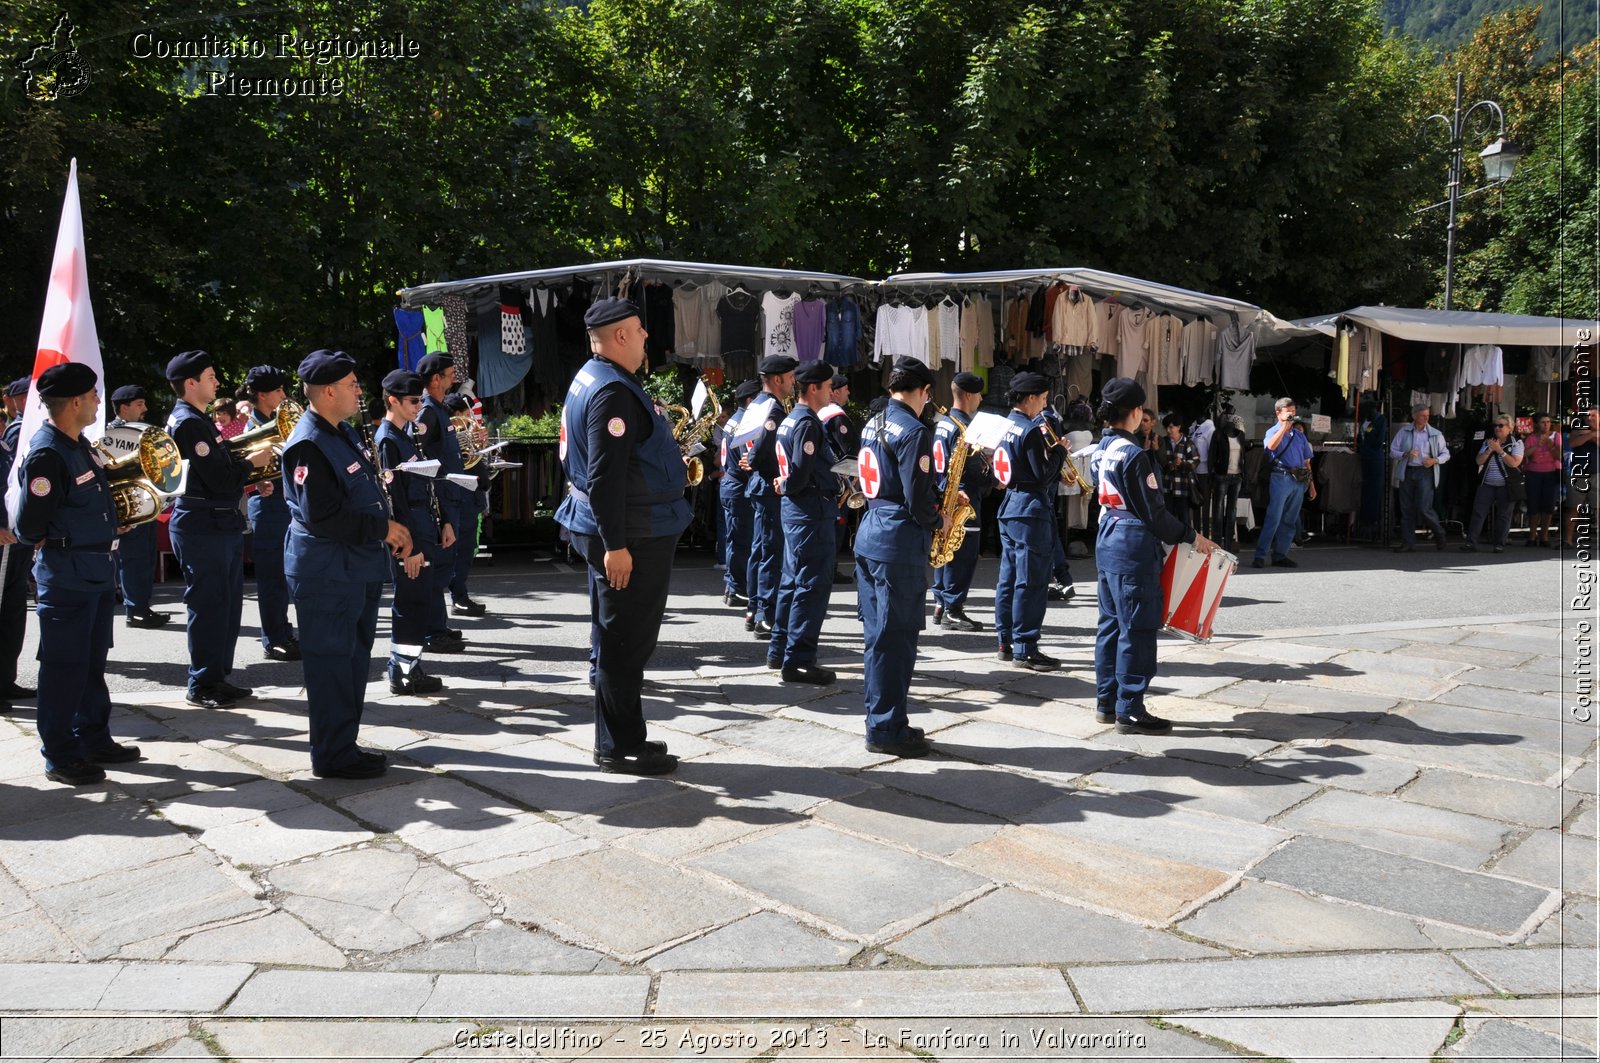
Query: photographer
point(1290, 454)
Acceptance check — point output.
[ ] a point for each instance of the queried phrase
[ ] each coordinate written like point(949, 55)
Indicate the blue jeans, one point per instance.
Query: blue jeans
point(1283, 515)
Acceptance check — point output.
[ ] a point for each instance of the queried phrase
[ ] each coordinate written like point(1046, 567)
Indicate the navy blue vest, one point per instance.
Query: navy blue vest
point(898, 442)
point(197, 510)
point(76, 550)
point(1031, 493)
point(763, 450)
point(735, 479)
point(313, 557)
point(803, 428)
point(269, 514)
point(657, 461)
point(417, 490)
point(449, 453)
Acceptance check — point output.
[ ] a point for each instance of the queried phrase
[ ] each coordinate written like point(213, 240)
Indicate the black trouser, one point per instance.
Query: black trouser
point(629, 622)
point(13, 610)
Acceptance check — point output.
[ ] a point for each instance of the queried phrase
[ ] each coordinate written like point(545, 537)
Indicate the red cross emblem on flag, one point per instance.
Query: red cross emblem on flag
point(938, 455)
point(867, 469)
point(1002, 466)
point(783, 462)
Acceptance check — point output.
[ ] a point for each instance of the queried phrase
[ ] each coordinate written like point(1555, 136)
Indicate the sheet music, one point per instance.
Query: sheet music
point(987, 430)
point(419, 467)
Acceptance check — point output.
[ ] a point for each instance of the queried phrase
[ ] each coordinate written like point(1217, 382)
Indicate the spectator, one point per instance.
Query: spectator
point(1178, 459)
point(1541, 461)
point(1227, 465)
point(1498, 453)
point(1289, 452)
point(1418, 451)
point(243, 410)
point(227, 423)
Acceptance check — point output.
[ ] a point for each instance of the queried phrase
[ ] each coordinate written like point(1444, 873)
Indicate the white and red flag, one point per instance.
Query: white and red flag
point(67, 332)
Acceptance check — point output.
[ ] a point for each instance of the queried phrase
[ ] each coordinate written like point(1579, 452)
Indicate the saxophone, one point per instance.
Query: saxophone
point(947, 543)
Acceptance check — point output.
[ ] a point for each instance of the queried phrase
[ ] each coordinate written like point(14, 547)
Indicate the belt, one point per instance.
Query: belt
point(647, 500)
point(77, 548)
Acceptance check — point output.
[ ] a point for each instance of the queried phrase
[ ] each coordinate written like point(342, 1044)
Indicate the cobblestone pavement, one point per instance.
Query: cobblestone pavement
point(1373, 841)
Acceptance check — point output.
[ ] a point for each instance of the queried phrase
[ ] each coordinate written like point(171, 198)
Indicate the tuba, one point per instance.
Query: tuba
point(144, 478)
point(275, 433)
point(691, 433)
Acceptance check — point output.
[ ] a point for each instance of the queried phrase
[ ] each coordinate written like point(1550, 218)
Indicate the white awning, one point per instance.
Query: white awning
point(1462, 326)
point(643, 268)
point(1097, 283)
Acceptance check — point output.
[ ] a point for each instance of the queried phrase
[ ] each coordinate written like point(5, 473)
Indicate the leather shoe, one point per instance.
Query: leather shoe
point(16, 692)
point(1467, 548)
point(810, 673)
point(1285, 562)
point(1060, 592)
point(115, 753)
point(1003, 653)
point(150, 619)
point(938, 614)
point(1259, 562)
point(289, 651)
point(468, 607)
point(763, 630)
point(910, 746)
point(362, 767)
point(749, 622)
point(732, 600)
point(440, 644)
point(958, 620)
point(1105, 716)
point(1143, 724)
point(1499, 549)
point(209, 698)
point(237, 693)
point(1439, 541)
point(774, 665)
point(1039, 662)
point(76, 773)
point(647, 761)
point(418, 682)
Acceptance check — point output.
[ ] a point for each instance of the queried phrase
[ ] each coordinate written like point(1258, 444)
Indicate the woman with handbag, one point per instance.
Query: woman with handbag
point(1542, 463)
point(1501, 476)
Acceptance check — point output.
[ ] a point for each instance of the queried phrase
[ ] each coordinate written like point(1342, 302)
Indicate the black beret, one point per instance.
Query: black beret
point(456, 402)
point(325, 367)
point(189, 364)
point(815, 373)
point(1029, 384)
point(127, 393)
point(906, 366)
point(19, 387)
point(432, 365)
point(609, 312)
point(747, 389)
point(67, 380)
point(879, 404)
point(777, 365)
point(403, 384)
point(264, 378)
point(1122, 393)
point(840, 381)
point(971, 383)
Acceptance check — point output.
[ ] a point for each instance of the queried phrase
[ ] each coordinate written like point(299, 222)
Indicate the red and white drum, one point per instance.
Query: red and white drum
point(1191, 590)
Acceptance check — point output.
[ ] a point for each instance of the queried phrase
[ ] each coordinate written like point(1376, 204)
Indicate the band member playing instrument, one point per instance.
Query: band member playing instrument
point(736, 513)
point(1029, 469)
point(136, 547)
point(809, 488)
point(766, 543)
point(951, 582)
point(268, 513)
point(896, 470)
point(1134, 523)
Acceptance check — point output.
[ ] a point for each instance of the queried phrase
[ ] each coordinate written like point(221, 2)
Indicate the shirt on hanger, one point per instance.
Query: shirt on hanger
point(777, 312)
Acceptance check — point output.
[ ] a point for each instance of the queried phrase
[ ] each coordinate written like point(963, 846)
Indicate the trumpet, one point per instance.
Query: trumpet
point(275, 433)
point(1069, 468)
point(690, 433)
point(144, 479)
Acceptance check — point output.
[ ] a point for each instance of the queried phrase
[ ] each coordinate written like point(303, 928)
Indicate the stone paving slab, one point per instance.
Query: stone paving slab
point(279, 837)
point(843, 878)
point(1399, 826)
point(1401, 884)
point(765, 940)
point(1513, 802)
point(274, 939)
point(1482, 658)
point(1323, 701)
point(1161, 828)
point(119, 836)
point(1037, 752)
point(891, 994)
point(1501, 1039)
point(1571, 1018)
point(1010, 927)
point(1495, 753)
point(186, 988)
point(1535, 971)
point(1399, 1031)
point(1246, 795)
point(989, 791)
point(336, 994)
point(260, 1042)
point(1551, 858)
point(500, 948)
point(31, 987)
point(556, 996)
point(1262, 918)
point(58, 1038)
point(802, 743)
point(686, 822)
point(747, 780)
point(1336, 764)
point(1235, 983)
point(1401, 664)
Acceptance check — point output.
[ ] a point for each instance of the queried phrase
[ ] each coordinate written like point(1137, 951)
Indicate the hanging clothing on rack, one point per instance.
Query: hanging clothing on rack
point(843, 332)
point(737, 313)
point(513, 335)
point(977, 332)
point(1199, 352)
point(810, 329)
point(1166, 353)
point(455, 334)
point(659, 321)
point(687, 318)
point(433, 340)
point(777, 315)
point(1236, 353)
point(1132, 341)
point(1075, 322)
point(947, 323)
point(895, 334)
point(544, 344)
point(710, 296)
point(408, 345)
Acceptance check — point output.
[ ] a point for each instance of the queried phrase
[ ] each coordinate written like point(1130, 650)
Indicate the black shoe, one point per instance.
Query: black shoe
point(1285, 562)
point(958, 620)
point(774, 665)
point(1259, 562)
point(1405, 548)
point(1468, 548)
point(910, 746)
point(810, 673)
point(376, 756)
point(14, 692)
point(1060, 592)
point(1143, 724)
point(149, 619)
point(1439, 541)
point(1499, 549)
point(1105, 716)
point(288, 651)
point(76, 773)
point(763, 630)
point(1003, 653)
point(209, 698)
point(1038, 661)
point(468, 607)
point(442, 644)
point(840, 577)
point(363, 767)
point(650, 760)
point(237, 693)
point(114, 754)
point(418, 682)
point(938, 614)
point(749, 622)
point(732, 600)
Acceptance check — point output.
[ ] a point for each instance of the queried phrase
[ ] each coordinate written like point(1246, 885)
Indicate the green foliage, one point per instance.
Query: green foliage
point(665, 385)
point(1564, 24)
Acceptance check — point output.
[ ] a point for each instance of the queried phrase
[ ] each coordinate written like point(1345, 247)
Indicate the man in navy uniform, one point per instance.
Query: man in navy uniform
point(624, 511)
point(207, 529)
point(471, 517)
point(766, 542)
point(66, 510)
point(414, 504)
point(136, 548)
point(809, 490)
point(269, 524)
point(340, 532)
point(844, 438)
point(952, 582)
point(736, 514)
point(437, 437)
point(17, 558)
point(896, 469)
point(1029, 470)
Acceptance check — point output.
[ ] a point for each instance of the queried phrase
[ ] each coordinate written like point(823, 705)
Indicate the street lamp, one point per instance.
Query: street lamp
point(1499, 160)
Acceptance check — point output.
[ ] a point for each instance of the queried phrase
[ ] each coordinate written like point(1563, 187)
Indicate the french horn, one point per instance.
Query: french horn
point(470, 437)
point(144, 478)
point(275, 433)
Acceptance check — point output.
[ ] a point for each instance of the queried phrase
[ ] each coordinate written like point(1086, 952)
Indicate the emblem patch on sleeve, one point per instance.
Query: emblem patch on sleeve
point(771, 425)
point(616, 426)
point(810, 447)
point(202, 449)
point(1150, 481)
point(419, 426)
point(39, 485)
point(300, 473)
point(923, 463)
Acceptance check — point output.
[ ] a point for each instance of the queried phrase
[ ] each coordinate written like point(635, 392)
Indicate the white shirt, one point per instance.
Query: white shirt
point(1200, 435)
point(777, 312)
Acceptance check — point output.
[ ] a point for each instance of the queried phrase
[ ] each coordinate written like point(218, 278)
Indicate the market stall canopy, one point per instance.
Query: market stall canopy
point(1097, 283)
point(644, 269)
point(1461, 326)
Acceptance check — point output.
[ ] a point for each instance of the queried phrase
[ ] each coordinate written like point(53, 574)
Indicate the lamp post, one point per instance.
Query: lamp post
point(1499, 160)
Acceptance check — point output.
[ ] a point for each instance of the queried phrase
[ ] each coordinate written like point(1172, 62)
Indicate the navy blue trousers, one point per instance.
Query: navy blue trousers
point(74, 704)
point(13, 610)
point(1128, 558)
point(738, 525)
point(465, 549)
point(802, 606)
point(952, 582)
point(136, 567)
point(1027, 550)
point(213, 589)
point(766, 556)
point(272, 587)
point(338, 623)
point(891, 596)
